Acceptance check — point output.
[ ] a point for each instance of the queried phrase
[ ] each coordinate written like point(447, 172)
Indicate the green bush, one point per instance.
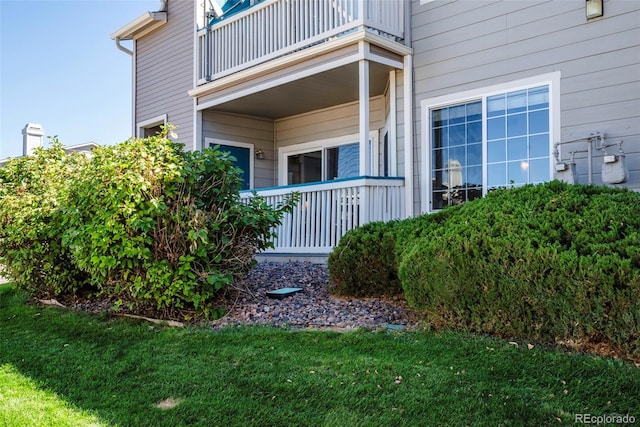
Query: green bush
point(554, 263)
point(364, 263)
point(32, 190)
point(156, 226)
point(143, 223)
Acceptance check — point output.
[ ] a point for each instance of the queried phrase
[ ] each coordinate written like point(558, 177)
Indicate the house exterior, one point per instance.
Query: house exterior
point(385, 109)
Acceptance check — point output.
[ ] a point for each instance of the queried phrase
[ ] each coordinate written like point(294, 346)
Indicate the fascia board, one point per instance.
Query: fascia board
point(140, 26)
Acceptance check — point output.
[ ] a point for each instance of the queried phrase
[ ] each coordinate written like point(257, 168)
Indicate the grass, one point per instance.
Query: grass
point(59, 367)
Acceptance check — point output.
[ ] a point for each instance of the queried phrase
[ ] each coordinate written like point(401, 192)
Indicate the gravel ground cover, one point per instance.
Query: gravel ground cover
point(313, 307)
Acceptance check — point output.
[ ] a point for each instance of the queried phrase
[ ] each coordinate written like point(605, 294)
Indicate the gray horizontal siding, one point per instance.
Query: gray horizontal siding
point(328, 123)
point(164, 71)
point(467, 45)
point(250, 130)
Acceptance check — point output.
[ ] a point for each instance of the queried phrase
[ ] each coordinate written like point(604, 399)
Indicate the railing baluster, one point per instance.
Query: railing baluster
point(276, 27)
point(328, 210)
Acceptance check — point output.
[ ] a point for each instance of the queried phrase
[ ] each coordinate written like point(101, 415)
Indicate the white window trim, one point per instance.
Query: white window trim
point(149, 123)
point(321, 145)
point(552, 80)
point(215, 141)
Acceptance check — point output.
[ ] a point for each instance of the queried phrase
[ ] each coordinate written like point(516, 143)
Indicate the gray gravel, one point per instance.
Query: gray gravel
point(312, 307)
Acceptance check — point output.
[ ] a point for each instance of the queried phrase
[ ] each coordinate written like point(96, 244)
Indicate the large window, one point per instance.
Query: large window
point(499, 139)
point(325, 160)
point(518, 137)
point(456, 154)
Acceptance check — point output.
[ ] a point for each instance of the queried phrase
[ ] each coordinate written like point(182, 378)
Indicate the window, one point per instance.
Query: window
point(151, 127)
point(518, 137)
point(242, 158)
point(336, 158)
point(304, 167)
point(488, 139)
point(456, 154)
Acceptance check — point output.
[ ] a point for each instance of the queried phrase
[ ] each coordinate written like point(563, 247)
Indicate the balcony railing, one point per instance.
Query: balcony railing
point(327, 210)
point(275, 28)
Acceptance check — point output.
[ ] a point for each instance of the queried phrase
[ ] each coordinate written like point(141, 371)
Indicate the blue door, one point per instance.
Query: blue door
point(242, 161)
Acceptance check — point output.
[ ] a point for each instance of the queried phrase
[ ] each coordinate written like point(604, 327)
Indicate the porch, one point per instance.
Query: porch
point(275, 28)
point(312, 96)
point(327, 210)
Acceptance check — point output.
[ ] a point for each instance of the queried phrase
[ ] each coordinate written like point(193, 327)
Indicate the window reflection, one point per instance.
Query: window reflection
point(456, 154)
point(516, 128)
point(343, 161)
point(304, 167)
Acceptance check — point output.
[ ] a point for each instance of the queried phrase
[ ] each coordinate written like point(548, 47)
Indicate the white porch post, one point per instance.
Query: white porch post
point(365, 152)
point(408, 135)
point(392, 128)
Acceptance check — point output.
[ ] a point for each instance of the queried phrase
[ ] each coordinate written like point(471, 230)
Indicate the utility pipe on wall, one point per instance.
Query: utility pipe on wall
point(122, 48)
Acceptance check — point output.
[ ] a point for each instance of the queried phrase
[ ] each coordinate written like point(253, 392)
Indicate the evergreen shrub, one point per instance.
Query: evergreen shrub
point(552, 262)
point(364, 263)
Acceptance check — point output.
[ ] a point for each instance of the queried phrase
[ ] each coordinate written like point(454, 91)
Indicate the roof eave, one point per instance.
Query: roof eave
point(140, 26)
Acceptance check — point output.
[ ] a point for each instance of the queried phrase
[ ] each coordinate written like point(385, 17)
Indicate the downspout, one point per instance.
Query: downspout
point(122, 48)
point(133, 83)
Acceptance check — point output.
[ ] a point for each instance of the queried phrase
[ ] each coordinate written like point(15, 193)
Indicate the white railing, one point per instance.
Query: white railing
point(327, 210)
point(275, 28)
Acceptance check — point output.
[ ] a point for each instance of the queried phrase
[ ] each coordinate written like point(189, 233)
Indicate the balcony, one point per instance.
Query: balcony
point(327, 210)
point(275, 28)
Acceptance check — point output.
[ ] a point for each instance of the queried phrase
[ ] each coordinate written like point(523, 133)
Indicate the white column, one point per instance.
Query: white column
point(392, 127)
point(408, 136)
point(365, 153)
point(31, 138)
point(363, 132)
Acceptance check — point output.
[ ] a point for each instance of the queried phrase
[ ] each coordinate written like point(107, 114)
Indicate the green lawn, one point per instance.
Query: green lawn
point(66, 368)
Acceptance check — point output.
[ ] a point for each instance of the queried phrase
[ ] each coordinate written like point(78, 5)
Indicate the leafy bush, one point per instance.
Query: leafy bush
point(32, 190)
point(553, 262)
point(154, 225)
point(143, 222)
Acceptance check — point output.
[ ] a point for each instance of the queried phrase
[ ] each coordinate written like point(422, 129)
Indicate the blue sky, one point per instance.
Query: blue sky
point(60, 68)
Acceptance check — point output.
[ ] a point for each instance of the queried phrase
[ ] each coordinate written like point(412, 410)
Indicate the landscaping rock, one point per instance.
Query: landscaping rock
point(312, 307)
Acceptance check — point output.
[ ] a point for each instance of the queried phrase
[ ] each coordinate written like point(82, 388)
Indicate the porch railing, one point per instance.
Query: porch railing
point(327, 210)
point(275, 28)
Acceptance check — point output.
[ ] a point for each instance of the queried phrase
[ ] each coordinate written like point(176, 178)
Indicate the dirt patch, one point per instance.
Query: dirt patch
point(169, 403)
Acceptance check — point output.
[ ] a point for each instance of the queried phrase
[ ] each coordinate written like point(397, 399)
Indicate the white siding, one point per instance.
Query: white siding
point(164, 71)
point(468, 45)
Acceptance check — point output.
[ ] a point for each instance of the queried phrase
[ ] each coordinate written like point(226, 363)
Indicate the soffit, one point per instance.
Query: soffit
point(140, 26)
point(329, 88)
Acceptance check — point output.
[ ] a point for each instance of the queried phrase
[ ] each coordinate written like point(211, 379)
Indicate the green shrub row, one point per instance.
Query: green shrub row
point(552, 263)
point(143, 222)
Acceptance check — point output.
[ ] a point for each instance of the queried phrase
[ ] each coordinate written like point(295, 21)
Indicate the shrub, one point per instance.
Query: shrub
point(364, 263)
point(143, 222)
point(32, 191)
point(552, 262)
point(155, 226)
